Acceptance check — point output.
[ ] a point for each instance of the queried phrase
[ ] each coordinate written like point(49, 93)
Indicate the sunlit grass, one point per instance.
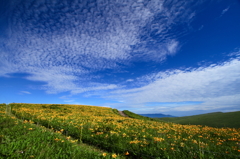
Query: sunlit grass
point(133, 138)
point(23, 139)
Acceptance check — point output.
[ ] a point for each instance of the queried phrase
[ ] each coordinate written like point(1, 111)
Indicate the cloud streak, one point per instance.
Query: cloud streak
point(25, 92)
point(225, 10)
point(216, 86)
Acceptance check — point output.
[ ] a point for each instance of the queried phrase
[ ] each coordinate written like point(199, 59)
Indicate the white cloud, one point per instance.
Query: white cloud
point(69, 101)
point(225, 10)
point(102, 37)
point(25, 92)
point(64, 44)
point(130, 80)
point(94, 87)
point(56, 80)
point(217, 86)
point(172, 47)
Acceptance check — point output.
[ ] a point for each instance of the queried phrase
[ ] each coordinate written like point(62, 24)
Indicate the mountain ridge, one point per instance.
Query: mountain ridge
point(157, 115)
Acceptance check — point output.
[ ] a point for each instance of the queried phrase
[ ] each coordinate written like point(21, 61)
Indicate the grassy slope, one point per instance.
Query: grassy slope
point(218, 119)
point(20, 139)
point(136, 116)
point(139, 137)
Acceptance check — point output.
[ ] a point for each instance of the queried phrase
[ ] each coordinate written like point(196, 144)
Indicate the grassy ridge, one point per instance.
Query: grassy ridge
point(136, 116)
point(218, 119)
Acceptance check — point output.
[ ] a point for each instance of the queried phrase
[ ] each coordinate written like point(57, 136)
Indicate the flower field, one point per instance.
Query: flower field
point(25, 140)
point(132, 138)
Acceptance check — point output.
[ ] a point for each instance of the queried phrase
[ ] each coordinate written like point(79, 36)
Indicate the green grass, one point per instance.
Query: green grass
point(22, 139)
point(116, 111)
point(106, 129)
point(136, 116)
point(218, 119)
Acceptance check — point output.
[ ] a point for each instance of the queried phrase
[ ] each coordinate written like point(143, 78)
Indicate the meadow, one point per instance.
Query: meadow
point(71, 126)
point(24, 139)
point(216, 119)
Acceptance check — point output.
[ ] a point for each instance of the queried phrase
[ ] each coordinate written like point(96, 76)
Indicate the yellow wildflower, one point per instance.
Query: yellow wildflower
point(114, 155)
point(68, 137)
point(104, 154)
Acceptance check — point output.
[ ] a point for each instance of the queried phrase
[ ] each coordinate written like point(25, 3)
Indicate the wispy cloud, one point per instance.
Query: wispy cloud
point(69, 101)
point(130, 80)
point(225, 10)
point(64, 44)
point(215, 86)
point(25, 92)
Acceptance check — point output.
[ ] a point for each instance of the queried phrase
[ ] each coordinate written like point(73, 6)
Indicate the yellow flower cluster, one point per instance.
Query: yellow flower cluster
point(157, 139)
point(102, 123)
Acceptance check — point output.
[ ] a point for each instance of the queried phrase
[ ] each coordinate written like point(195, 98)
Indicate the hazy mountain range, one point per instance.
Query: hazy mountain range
point(157, 115)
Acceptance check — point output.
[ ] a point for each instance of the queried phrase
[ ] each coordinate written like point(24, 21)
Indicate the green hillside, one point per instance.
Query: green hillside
point(92, 132)
point(218, 119)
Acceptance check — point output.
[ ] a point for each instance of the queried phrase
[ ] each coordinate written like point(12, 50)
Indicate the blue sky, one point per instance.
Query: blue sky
point(173, 57)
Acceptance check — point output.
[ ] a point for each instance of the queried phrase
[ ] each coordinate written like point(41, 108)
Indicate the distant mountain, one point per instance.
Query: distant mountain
point(156, 115)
